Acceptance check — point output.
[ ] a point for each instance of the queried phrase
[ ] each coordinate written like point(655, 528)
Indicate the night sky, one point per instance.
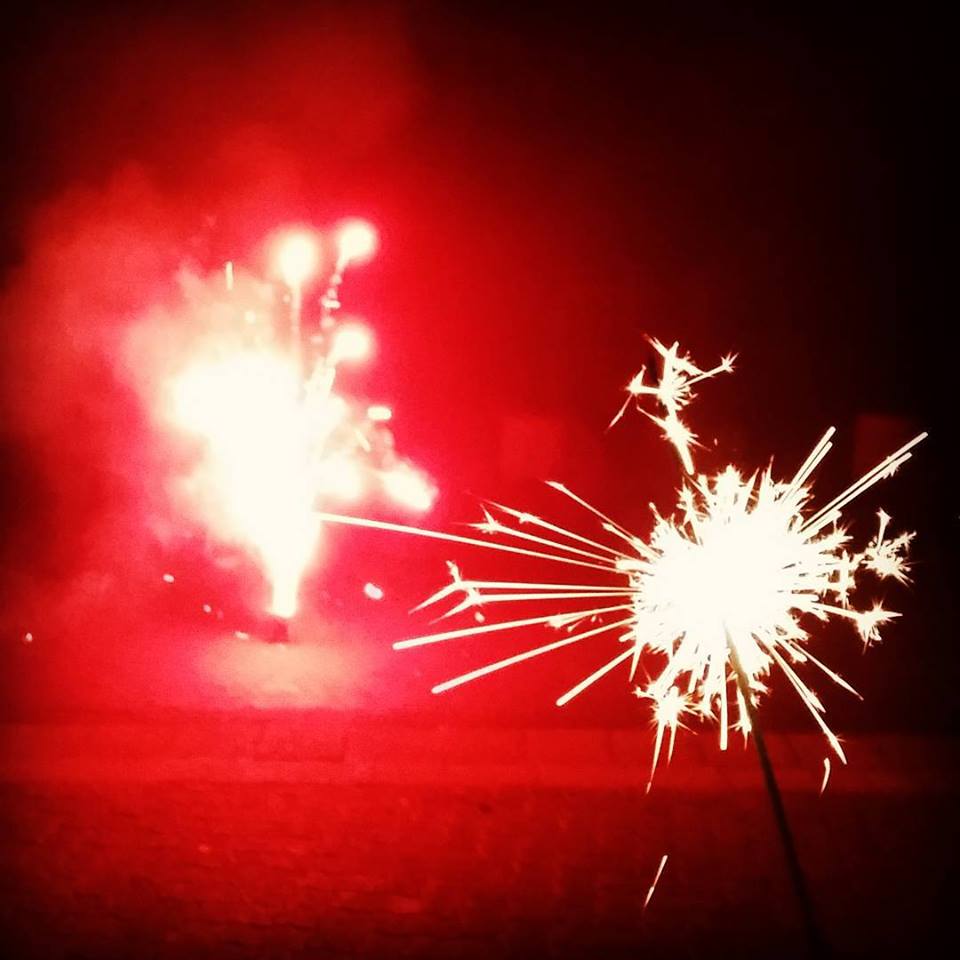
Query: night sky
point(551, 188)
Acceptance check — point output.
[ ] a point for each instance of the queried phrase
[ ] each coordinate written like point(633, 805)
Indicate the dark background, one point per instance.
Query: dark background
point(550, 188)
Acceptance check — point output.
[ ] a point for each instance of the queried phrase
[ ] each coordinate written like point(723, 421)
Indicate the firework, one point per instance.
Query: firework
point(279, 439)
point(728, 585)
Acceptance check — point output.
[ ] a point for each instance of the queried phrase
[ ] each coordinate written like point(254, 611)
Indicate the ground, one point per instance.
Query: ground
point(285, 834)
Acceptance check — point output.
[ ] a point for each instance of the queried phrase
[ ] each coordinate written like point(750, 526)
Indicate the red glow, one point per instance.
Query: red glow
point(295, 675)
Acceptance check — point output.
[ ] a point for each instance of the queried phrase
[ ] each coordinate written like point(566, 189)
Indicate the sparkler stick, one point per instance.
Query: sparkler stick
point(812, 929)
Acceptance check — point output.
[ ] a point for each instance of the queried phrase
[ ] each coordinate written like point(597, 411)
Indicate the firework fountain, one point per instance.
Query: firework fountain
point(721, 595)
point(278, 439)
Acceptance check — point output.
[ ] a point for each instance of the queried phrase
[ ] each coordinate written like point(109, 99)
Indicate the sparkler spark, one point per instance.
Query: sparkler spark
point(656, 880)
point(826, 775)
point(732, 580)
point(278, 439)
point(673, 392)
point(372, 591)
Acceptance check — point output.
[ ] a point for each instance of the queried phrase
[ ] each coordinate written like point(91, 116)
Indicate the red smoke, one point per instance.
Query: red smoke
point(179, 147)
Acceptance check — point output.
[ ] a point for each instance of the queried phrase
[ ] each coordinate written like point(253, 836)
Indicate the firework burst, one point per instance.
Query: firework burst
point(730, 584)
point(278, 437)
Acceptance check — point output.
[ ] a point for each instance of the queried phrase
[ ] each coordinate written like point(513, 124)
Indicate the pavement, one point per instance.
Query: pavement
point(317, 834)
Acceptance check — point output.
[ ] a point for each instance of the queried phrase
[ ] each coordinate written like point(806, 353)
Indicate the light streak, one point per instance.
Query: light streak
point(656, 880)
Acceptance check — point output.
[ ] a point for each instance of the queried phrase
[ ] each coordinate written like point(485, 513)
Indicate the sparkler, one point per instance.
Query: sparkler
point(721, 594)
point(736, 575)
point(278, 438)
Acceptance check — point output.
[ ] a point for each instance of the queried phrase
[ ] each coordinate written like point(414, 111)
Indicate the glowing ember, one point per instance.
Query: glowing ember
point(278, 441)
point(356, 242)
point(736, 575)
point(298, 258)
point(351, 342)
point(379, 413)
